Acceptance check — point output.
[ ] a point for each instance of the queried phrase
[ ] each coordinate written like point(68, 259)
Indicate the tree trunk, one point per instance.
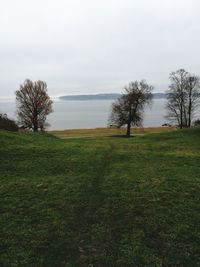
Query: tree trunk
point(35, 129)
point(35, 121)
point(35, 126)
point(181, 111)
point(128, 131)
point(190, 105)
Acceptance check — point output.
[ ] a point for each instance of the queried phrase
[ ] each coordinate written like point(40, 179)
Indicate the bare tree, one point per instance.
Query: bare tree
point(33, 105)
point(182, 97)
point(129, 108)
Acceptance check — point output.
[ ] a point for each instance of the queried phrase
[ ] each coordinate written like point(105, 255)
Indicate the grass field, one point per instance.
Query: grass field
point(101, 202)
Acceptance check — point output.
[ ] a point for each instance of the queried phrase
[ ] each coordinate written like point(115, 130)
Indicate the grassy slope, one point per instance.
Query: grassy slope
point(110, 202)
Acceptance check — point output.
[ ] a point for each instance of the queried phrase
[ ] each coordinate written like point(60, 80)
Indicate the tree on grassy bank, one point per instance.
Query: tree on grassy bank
point(33, 105)
point(129, 108)
point(183, 97)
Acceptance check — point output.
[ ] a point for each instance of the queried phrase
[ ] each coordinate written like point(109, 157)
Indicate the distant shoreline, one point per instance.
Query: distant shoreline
point(111, 96)
point(100, 96)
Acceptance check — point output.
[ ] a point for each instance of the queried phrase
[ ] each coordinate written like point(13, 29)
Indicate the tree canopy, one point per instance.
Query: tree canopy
point(129, 107)
point(183, 97)
point(33, 105)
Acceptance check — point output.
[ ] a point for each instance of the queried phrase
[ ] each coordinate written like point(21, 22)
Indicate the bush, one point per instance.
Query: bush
point(197, 122)
point(7, 124)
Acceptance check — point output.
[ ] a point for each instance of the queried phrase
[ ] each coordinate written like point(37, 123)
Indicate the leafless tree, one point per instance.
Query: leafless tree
point(182, 97)
point(33, 105)
point(129, 107)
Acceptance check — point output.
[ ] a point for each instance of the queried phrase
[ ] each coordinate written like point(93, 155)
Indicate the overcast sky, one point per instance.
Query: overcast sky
point(89, 46)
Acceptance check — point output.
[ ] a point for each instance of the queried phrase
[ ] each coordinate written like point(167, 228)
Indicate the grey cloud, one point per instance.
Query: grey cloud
point(92, 46)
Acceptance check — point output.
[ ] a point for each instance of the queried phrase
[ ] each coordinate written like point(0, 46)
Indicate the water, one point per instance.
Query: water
point(88, 114)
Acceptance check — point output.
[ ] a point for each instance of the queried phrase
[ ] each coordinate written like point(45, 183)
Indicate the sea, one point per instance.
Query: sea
point(88, 113)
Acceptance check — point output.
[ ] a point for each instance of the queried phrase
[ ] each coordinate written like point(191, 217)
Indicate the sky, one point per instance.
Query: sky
point(93, 46)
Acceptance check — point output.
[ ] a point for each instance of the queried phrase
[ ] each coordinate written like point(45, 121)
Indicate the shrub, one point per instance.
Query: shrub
point(7, 124)
point(197, 122)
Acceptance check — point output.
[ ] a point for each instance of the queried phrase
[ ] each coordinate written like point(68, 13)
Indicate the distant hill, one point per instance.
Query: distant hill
point(111, 96)
point(159, 95)
point(91, 97)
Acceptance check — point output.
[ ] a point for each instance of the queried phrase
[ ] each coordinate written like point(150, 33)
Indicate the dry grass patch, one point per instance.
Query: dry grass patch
point(98, 132)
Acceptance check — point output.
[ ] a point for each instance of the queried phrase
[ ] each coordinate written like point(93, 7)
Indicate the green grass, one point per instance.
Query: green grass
point(102, 202)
